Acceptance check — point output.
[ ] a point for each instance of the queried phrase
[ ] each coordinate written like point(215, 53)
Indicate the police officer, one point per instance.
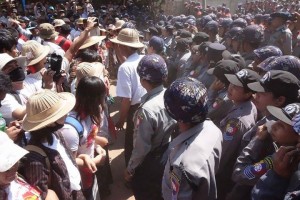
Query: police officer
point(218, 102)
point(231, 39)
point(153, 127)
point(190, 174)
point(224, 26)
point(167, 33)
point(282, 35)
point(212, 29)
point(250, 38)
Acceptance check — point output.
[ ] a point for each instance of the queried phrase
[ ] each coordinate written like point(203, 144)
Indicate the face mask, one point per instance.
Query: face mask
point(17, 75)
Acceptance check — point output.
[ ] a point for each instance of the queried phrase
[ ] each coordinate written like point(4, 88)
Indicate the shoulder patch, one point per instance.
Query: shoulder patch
point(256, 170)
point(231, 128)
point(139, 119)
point(175, 184)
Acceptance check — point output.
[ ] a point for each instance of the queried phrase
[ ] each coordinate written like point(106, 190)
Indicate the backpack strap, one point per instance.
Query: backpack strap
point(62, 42)
point(76, 124)
point(40, 151)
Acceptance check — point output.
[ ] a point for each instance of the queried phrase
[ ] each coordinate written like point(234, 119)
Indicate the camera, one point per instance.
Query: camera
point(54, 62)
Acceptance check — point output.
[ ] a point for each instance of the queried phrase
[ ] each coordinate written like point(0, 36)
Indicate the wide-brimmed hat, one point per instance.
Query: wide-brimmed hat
point(89, 69)
point(128, 37)
point(58, 22)
point(45, 108)
point(47, 31)
point(119, 24)
point(10, 153)
point(91, 41)
point(5, 58)
point(34, 52)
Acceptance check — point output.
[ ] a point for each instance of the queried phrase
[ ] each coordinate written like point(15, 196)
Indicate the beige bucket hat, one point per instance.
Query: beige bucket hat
point(47, 31)
point(34, 52)
point(91, 41)
point(46, 107)
point(89, 69)
point(128, 37)
point(58, 22)
point(6, 58)
point(10, 153)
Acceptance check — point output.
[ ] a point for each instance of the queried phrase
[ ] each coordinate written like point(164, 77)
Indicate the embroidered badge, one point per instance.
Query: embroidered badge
point(231, 129)
point(175, 184)
point(139, 120)
point(256, 170)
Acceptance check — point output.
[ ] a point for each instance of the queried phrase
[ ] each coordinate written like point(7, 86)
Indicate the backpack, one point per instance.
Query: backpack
point(76, 124)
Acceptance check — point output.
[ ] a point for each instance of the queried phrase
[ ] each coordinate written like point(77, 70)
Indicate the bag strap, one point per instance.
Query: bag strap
point(62, 42)
point(76, 124)
point(40, 151)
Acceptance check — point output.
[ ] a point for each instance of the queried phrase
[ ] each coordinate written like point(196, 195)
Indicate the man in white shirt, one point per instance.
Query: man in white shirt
point(128, 84)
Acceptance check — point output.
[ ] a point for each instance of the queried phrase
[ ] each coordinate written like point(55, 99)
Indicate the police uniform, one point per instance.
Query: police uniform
point(282, 38)
point(194, 155)
point(188, 173)
point(153, 127)
point(152, 131)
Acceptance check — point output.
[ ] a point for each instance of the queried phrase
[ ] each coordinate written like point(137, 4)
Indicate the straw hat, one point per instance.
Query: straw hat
point(91, 41)
point(10, 153)
point(128, 37)
point(34, 51)
point(45, 108)
point(89, 69)
point(5, 58)
point(119, 24)
point(47, 31)
point(58, 22)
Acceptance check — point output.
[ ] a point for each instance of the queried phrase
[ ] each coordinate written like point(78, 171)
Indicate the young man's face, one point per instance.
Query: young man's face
point(283, 134)
point(264, 99)
point(237, 93)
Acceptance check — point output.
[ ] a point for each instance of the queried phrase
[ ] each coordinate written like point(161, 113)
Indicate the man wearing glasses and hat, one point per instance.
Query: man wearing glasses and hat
point(282, 36)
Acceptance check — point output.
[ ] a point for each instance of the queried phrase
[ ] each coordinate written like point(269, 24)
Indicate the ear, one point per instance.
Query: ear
point(280, 101)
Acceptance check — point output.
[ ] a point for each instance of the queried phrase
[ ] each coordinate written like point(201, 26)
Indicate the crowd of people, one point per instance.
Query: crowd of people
point(209, 100)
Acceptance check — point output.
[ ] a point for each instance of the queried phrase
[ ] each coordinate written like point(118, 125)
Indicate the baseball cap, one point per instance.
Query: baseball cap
point(243, 78)
point(214, 52)
point(286, 114)
point(200, 37)
point(157, 43)
point(282, 83)
point(224, 67)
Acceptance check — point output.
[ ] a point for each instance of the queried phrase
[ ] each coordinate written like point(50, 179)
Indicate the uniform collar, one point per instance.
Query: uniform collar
point(154, 91)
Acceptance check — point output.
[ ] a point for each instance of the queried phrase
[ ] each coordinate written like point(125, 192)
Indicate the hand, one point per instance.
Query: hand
point(89, 163)
point(120, 125)
point(47, 76)
point(285, 161)
point(90, 23)
point(127, 175)
point(13, 130)
point(217, 85)
point(62, 77)
point(262, 132)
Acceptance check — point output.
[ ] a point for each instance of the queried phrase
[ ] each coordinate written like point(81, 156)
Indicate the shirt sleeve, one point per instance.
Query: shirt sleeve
point(270, 187)
point(143, 133)
point(71, 137)
point(8, 106)
point(124, 83)
point(249, 168)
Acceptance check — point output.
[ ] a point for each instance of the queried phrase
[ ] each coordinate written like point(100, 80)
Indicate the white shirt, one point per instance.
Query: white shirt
point(19, 191)
point(128, 84)
point(8, 105)
point(33, 83)
point(54, 48)
point(73, 172)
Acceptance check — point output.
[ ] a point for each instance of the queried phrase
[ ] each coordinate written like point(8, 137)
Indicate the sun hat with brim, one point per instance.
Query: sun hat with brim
point(89, 69)
point(47, 31)
point(91, 41)
point(10, 153)
point(34, 52)
point(128, 37)
point(119, 24)
point(285, 114)
point(243, 78)
point(6, 58)
point(45, 108)
point(58, 22)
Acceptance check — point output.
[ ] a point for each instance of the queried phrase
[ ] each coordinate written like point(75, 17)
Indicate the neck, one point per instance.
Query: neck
point(184, 126)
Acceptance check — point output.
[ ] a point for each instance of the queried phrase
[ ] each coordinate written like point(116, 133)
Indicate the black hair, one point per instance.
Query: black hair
point(65, 29)
point(90, 94)
point(5, 83)
point(7, 41)
point(88, 55)
point(14, 33)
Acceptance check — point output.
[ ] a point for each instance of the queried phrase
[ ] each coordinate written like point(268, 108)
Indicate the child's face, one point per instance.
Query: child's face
point(237, 93)
point(264, 99)
point(283, 134)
